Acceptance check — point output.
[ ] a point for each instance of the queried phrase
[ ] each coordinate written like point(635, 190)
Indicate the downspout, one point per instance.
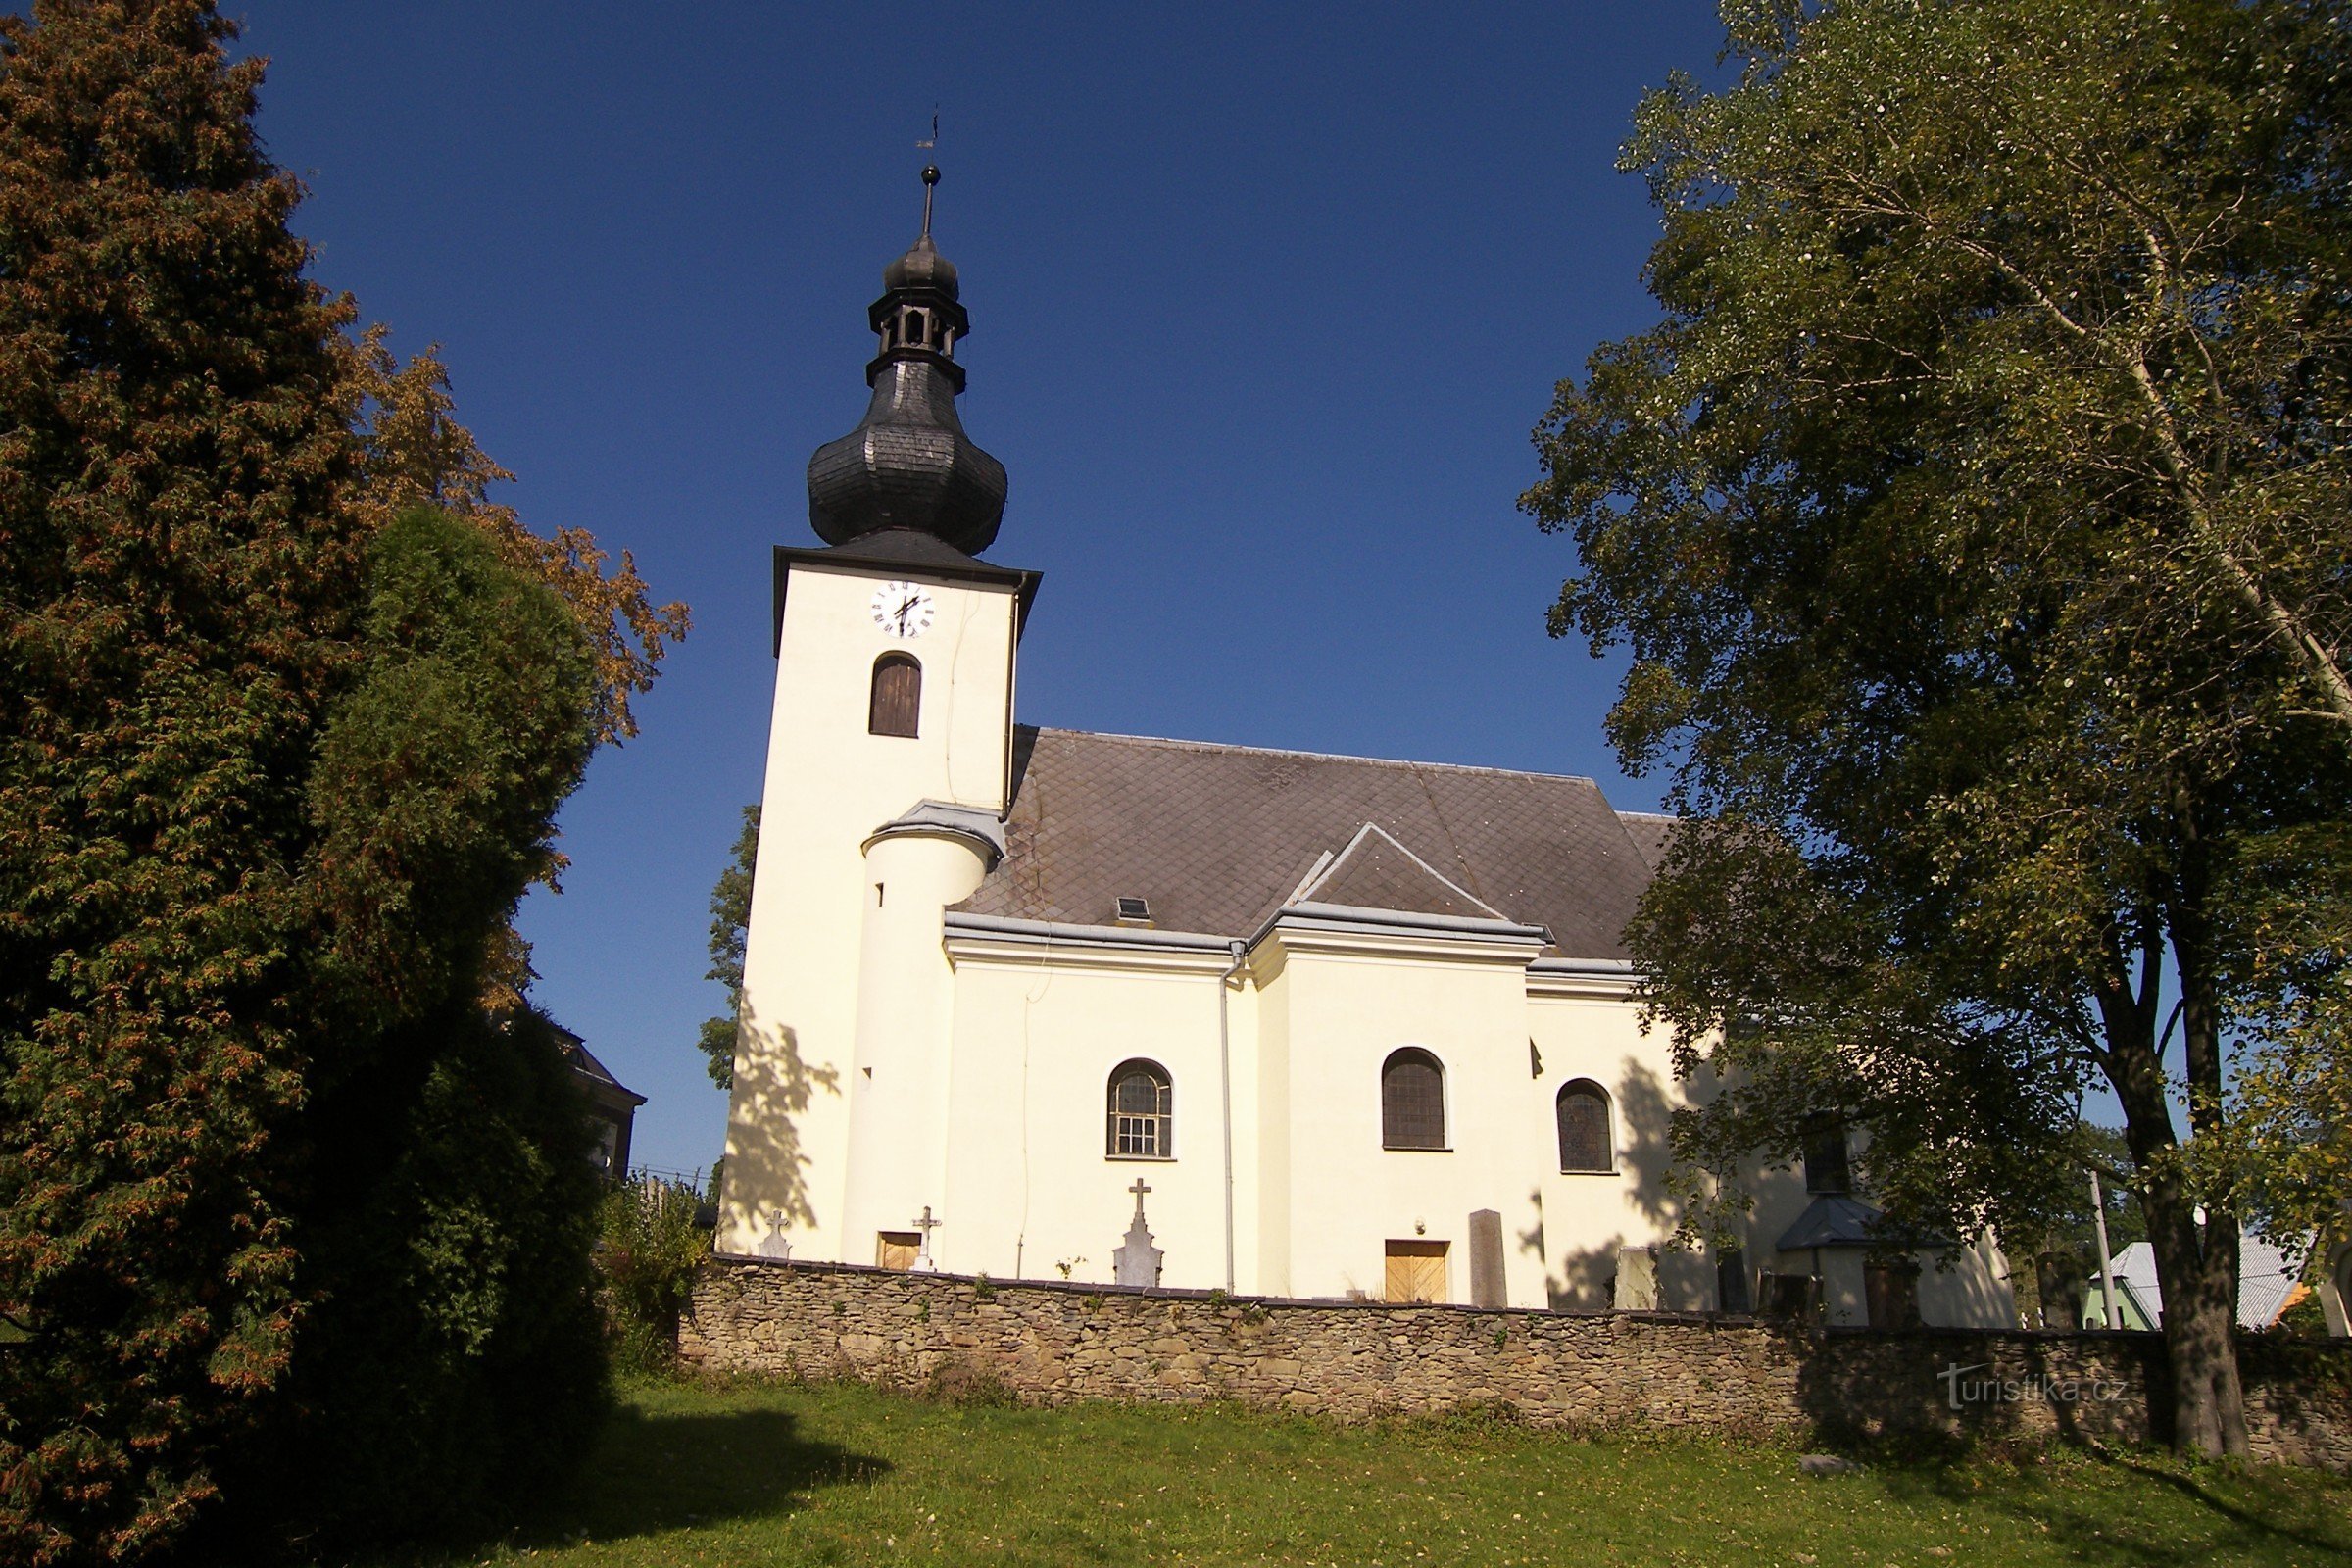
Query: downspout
point(1225, 1088)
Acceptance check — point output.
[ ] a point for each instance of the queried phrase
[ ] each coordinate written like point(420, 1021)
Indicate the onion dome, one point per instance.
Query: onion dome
point(909, 465)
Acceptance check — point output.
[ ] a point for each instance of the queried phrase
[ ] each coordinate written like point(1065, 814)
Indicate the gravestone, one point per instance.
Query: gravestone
point(924, 1263)
point(1137, 1261)
point(1636, 1280)
point(1485, 1258)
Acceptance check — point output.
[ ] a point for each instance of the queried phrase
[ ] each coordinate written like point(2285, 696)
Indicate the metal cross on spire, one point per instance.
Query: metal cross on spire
point(930, 171)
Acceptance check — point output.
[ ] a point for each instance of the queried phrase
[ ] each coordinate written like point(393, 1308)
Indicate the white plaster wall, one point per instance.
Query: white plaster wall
point(898, 1092)
point(829, 784)
point(1028, 1182)
point(1591, 1030)
point(1344, 1007)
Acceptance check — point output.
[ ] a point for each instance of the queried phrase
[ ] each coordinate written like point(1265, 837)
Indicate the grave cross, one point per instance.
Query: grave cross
point(922, 1254)
point(1139, 1189)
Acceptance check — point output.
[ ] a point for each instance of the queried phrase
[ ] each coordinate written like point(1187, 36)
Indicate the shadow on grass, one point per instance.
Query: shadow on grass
point(656, 1471)
point(2084, 1499)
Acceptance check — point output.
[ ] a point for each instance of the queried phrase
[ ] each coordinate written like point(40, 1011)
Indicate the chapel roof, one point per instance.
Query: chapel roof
point(1218, 838)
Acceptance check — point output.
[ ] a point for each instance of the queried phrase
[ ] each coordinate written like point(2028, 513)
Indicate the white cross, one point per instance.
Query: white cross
point(922, 1253)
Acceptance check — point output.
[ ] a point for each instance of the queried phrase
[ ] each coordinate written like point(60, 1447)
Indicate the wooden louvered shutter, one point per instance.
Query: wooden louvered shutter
point(898, 697)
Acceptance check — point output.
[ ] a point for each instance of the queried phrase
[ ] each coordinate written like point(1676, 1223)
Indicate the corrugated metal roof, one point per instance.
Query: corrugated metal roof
point(1219, 837)
point(2266, 1276)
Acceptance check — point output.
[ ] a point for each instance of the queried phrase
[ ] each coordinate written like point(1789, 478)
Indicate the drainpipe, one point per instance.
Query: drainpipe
point(1225, 1088)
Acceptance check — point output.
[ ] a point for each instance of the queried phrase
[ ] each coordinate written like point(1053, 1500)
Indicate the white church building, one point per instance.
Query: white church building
point(1322, 1026)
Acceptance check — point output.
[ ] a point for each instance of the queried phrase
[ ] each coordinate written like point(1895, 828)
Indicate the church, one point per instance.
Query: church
point(1043, 1003)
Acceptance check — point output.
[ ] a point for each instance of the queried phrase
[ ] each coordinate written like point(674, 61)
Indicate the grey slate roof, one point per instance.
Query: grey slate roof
point(1649, 831)
point(1376, 872)
point(1220, 837)
point(1831, 1220)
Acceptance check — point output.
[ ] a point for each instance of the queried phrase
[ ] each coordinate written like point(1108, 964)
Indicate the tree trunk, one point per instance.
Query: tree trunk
point(2196, 1266)
point(2214, 1282)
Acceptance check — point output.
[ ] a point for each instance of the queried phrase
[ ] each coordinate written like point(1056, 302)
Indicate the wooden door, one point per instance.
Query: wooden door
point(896, 1248)
point(1416, 1271)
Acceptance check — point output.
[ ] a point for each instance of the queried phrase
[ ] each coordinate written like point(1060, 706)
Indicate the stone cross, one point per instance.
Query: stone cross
point(923, 1260)
point(1137, 1261)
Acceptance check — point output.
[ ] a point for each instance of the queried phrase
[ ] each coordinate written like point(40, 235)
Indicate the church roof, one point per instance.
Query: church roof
point(1649, 831)
point(1217, 837)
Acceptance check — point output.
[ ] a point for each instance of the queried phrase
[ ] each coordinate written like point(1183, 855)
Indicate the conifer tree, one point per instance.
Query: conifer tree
point(280, 752)
point(175, 408)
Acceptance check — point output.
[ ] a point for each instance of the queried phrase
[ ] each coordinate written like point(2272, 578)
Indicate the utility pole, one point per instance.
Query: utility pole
point(2098, 1217)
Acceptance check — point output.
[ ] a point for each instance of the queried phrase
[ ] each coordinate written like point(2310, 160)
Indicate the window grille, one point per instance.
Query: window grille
point(1584, 1124)
point(1412, 1101)
point(1142, 1112)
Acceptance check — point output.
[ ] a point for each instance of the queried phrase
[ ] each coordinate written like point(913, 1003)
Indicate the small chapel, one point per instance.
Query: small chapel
point(1046, 1003)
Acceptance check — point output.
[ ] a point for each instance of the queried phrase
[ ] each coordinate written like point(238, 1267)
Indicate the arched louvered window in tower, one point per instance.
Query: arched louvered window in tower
point(897, 696)
point(1584, 1116)
point(1412, 1100)
point(1142, 1112)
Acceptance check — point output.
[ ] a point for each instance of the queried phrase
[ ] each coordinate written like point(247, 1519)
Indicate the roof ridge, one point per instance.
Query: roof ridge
point(1323, 756)
point(1648, 816)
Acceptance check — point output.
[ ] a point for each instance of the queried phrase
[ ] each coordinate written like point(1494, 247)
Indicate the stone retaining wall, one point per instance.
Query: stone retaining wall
point(1052, 1342)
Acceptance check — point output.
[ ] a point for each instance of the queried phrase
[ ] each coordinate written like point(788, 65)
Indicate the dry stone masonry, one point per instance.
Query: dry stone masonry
point(1054, 1344)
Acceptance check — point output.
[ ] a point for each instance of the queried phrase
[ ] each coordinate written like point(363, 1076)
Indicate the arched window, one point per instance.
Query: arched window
point(1583, 1117)
point(1142, 1112)
point(897, 696)
point(1412, 1100)
point(914, 329)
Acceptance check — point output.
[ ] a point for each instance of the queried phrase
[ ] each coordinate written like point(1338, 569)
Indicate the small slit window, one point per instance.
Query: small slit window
point(1583, 1109)
point(1412, 1100)
point(1142, 1112)
point(1826, 1157)
point(897, 696)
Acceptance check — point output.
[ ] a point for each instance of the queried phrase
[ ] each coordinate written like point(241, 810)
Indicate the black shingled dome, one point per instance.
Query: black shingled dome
point(909, 465)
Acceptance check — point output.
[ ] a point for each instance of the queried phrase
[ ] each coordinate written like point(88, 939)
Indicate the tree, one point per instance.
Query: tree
point(1974, 520)
point(278, 754)
point(730, 924)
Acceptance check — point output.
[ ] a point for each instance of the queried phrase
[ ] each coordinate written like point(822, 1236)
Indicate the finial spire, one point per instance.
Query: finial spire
point(930, 171)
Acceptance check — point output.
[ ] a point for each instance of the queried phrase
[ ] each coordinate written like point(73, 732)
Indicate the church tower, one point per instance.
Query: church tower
point(888, 761)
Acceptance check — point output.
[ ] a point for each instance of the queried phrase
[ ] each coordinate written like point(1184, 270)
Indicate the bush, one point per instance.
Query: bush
point(652, 1241)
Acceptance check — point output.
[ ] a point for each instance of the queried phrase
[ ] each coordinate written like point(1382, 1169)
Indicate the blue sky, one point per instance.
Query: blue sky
point(1265, 303)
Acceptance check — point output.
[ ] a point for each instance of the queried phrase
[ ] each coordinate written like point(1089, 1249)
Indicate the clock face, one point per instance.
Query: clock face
point(903, 608)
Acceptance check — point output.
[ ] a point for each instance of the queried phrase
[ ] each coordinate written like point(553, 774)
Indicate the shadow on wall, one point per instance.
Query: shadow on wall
point(773, 1088)
point(1946, 1388)
point(1582, 1274)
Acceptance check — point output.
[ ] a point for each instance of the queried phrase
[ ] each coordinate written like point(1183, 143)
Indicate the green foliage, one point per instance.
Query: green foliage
point(651, 1241)
point(456, 1357)
point(1974, 519)
point(279, 1209)
point(730, 924)
point(173, 433)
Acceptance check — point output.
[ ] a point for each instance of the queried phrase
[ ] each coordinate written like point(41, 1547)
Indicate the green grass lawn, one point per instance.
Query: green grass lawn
point(781, 1475)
